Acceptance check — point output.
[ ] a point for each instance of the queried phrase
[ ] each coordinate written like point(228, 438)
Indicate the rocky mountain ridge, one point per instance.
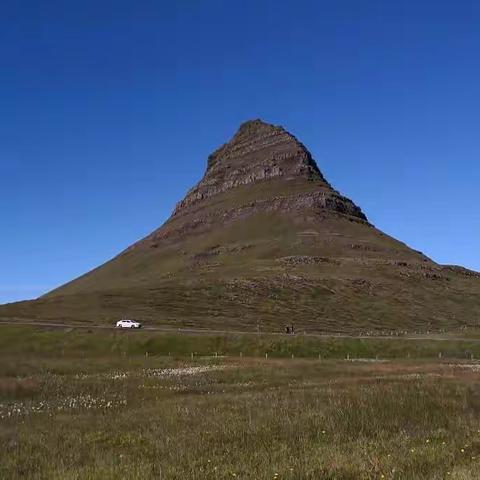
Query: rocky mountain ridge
point(257, 153)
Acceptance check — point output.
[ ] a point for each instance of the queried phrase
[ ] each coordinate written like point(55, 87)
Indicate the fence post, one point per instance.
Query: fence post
point(266, 355)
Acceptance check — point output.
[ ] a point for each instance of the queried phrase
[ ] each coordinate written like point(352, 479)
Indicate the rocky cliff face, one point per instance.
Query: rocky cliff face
point(276, 172)
point(259, 152)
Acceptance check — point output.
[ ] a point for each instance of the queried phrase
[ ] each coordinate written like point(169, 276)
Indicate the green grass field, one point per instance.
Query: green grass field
point(79, 405)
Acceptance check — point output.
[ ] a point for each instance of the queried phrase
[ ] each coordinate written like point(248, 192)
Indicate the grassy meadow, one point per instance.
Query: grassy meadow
point(79, 405)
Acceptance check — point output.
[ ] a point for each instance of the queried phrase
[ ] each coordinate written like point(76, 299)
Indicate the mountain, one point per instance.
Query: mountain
point(264, 240)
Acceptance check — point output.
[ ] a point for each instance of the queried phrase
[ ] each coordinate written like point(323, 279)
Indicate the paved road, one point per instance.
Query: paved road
point(198, 331)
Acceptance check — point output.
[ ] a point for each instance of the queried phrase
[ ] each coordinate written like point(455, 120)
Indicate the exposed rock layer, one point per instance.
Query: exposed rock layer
point(259, 153)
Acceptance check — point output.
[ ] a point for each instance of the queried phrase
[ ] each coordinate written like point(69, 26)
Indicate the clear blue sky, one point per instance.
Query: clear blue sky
point(108, 110)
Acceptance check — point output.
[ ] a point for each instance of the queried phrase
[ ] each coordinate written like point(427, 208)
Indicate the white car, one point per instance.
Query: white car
point(128, 324)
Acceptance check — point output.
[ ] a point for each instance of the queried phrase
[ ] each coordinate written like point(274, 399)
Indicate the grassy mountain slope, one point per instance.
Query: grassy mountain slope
point(261, 241)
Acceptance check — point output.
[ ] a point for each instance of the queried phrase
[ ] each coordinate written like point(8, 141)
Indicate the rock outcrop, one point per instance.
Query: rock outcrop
point(263, 157)
point(260, 152)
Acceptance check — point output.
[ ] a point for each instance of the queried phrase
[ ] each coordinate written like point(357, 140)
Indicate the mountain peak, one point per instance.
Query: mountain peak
point(258, 152)
point(255, 126)
point(249, 134)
